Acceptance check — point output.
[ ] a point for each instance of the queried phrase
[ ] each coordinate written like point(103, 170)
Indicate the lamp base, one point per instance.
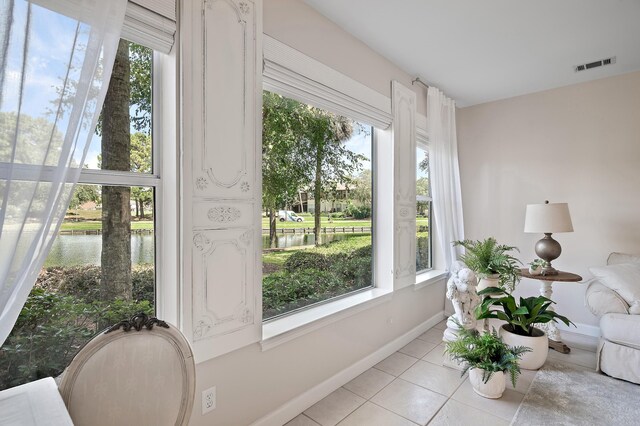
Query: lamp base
point(548, 250)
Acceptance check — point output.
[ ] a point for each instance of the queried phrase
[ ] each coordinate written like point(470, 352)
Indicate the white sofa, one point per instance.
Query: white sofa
point(614, 296)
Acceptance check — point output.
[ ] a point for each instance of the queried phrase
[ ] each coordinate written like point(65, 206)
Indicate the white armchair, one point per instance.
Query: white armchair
point(614, 296)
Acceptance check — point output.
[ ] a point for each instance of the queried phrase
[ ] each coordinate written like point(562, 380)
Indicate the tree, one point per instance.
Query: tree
point(141, 163)
point(333, 162)
point(116, 210)
point(361, 190)
point(284, 165)
point(84, 194)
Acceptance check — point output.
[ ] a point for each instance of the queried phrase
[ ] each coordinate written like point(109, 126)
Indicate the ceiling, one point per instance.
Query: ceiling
point(480, 51)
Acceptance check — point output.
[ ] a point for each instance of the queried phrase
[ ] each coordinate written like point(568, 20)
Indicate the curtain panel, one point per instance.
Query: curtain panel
point(56, 58)
point(445, 173)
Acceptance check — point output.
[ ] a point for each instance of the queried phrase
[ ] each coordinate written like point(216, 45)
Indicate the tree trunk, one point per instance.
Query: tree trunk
point(317, 194)
point(137, 210)
point(116, 200)
point(273, 217)
point(141, 201)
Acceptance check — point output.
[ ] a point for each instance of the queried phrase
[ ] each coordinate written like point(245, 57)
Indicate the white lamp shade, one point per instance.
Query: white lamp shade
point(548, 218)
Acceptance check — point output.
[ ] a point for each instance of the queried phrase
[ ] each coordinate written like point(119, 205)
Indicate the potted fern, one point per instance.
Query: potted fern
point(521, 319)
point(487, 359)
point(492, 262)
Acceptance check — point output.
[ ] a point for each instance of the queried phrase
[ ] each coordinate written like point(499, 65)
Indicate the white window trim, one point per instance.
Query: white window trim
point(293, 74)
point(427, 277)
point(164, 180)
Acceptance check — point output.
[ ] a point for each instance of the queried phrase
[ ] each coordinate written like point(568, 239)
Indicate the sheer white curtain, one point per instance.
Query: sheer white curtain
point(444, 172)
point(55, 63)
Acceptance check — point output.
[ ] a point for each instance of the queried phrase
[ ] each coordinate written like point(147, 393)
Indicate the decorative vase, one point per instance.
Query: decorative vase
point(539, 344)
point(489, 281)
point(493, 388)
point(535, 270)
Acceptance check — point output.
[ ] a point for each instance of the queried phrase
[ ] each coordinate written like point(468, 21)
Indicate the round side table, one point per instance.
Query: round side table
point(546, 290)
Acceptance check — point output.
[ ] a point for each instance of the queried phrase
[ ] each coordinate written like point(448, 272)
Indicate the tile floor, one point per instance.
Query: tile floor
point(412, 387)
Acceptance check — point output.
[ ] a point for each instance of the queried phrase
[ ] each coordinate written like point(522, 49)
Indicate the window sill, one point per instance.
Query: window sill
point(429, 278)
point(282, 330)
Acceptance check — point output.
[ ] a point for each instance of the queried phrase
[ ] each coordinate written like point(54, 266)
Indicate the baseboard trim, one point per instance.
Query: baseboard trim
point(583, 336)
point(295, 406)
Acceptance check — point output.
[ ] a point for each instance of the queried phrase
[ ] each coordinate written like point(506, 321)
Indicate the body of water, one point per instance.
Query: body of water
point(70, 250)
point(300, 240)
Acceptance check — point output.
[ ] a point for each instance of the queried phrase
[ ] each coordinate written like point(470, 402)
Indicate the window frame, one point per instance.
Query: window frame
point(293, 74)
point(422, 143)
point(162, 179)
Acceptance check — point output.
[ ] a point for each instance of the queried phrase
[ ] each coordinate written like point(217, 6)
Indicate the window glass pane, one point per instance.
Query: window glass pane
point(123, 136)
point(423, 209)
point(84, 286)
point(317, 205)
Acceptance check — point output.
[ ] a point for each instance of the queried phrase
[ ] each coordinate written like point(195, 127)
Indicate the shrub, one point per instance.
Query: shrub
point(284, 291)
point(306, 259)
point(358, 212)
point(51, 329)
point(83, 281)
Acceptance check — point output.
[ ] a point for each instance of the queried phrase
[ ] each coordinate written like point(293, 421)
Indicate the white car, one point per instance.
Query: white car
point(289, 216)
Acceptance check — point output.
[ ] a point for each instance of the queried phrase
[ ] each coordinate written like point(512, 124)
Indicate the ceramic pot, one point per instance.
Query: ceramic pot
point(535, 270)
point(489, 281)
point(539, 343)
point(493, 388)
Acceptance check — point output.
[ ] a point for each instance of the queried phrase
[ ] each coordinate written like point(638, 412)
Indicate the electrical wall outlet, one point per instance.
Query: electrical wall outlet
point(208, 400)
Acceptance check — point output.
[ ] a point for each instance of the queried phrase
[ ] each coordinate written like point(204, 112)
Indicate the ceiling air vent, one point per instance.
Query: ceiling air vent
point(596, 64)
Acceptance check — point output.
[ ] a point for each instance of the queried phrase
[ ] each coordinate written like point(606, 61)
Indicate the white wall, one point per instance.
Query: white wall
point(298, 25)
point(252, 384)
point(578, 144)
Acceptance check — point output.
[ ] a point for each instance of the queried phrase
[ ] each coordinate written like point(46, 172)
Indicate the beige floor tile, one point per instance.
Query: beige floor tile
point(301, 420)
point(369, 383)
point(504, 407)
point(410, 401)
point(442, 325)
point(418, 348)
point(435, 355)
point(396, 364)
point(372, 415)
point(437, 378)
point(335, 407)
point(524, 381)
point(576, 356)
point(455, 413)
point(432, 335)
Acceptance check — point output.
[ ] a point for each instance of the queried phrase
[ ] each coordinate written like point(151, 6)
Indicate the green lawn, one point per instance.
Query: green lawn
point(94, 225)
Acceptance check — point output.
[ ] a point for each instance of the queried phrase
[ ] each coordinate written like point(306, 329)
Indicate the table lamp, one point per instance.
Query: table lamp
point(548, 218)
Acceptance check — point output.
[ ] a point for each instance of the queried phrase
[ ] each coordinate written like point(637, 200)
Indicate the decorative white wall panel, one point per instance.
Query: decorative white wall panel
point(404, 148)
point(222, 102)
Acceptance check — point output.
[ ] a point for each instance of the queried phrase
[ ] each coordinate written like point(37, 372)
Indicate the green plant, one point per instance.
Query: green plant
point(50, 330)
point(486, 351)
point(306, 259)
point(521, 317)
point(536, 263)
point(489, 258)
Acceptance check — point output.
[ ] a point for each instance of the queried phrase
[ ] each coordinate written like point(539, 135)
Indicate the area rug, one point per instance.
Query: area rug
point(566, 395)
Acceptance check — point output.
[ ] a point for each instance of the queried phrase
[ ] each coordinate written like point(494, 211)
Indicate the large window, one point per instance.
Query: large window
point(101, 268)
point(423, 211)
point(317, 205)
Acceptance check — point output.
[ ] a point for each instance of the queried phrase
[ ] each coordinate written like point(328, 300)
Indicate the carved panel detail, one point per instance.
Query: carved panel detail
point(223, 214)
point(221, 308)
point(226, 141)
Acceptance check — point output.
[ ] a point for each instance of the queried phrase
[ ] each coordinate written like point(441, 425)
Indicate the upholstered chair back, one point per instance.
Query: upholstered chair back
point(141, 372)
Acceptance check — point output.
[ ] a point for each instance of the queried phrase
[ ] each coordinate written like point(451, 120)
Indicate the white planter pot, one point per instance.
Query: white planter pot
point(539, 343)
point(489, 281)
point(493, 388)
point(535, 271)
